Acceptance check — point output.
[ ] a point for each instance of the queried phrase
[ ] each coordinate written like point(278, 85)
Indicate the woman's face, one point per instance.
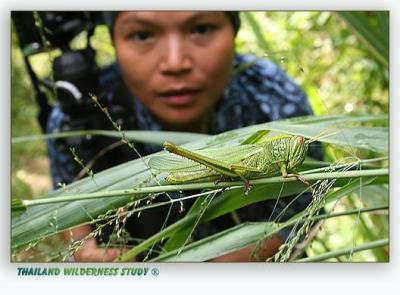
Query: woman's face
point(176, 63)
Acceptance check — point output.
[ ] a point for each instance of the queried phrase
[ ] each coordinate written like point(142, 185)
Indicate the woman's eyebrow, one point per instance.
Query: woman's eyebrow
point(138, 20)
point(198, 16)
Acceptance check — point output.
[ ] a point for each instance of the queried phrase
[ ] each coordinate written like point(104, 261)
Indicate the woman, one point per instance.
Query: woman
point(181, 73)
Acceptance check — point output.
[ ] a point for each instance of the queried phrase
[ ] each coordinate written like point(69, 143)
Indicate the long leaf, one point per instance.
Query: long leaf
point(369, 138)
point(150, 137)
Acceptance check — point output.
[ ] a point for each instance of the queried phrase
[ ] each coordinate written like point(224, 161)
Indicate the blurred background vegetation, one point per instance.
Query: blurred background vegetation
point(340, 70)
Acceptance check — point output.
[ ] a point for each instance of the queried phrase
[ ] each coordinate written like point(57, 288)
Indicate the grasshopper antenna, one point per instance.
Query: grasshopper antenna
point(321, 136)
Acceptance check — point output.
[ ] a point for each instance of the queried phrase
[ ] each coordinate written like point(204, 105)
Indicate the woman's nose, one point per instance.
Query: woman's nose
point(175, 59)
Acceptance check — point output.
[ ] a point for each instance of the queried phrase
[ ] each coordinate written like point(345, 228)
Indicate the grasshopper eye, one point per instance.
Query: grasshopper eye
point(300, 140)
point(298, 151)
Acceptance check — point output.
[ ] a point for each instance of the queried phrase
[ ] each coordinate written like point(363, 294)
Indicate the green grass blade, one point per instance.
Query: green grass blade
point(374, 38)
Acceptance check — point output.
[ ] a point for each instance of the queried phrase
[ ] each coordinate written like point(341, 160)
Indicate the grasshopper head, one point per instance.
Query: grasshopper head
point(297, 151)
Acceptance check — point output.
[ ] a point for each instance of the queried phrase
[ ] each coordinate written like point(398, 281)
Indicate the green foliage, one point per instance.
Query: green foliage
point(33, 225)
point(372, 28)
point(24, 157)
point(325, 57)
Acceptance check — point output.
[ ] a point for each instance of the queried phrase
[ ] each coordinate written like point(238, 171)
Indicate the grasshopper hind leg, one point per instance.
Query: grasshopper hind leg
point(184, 177)
point(222, 179)
point(246, 183)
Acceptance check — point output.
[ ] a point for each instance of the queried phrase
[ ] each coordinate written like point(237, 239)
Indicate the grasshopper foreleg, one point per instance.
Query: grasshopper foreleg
point(285, 174)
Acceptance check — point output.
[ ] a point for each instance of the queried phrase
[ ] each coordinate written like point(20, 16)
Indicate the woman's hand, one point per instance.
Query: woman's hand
point(91, 252)
point(268, 248)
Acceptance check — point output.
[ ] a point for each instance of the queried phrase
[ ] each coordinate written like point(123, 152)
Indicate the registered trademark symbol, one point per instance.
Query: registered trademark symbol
point(155, 271)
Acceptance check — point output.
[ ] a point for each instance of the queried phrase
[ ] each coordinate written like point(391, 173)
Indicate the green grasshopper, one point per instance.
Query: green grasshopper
point(280, 153)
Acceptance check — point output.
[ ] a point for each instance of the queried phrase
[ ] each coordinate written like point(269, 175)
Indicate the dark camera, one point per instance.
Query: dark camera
point(57, 27)
point(75, 73)
point(76, 78)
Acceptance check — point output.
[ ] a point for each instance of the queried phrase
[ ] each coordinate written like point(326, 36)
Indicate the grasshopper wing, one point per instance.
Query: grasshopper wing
point(229, 155)
point(172, 162)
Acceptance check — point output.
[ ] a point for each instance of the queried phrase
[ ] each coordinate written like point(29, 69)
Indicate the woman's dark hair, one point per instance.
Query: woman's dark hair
point(109, 17)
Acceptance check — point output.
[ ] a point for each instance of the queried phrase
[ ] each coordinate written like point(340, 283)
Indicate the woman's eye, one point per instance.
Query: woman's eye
point(203, 29)
point(140, 36)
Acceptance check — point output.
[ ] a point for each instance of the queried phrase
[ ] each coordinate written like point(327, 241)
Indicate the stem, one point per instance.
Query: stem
point(345, 165)
point(350, 212)
point(158, 204)
point(139, 192)
point(341, 252)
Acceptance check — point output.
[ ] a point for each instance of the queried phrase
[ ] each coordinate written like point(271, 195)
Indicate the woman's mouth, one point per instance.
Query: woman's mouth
point(179, 96)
